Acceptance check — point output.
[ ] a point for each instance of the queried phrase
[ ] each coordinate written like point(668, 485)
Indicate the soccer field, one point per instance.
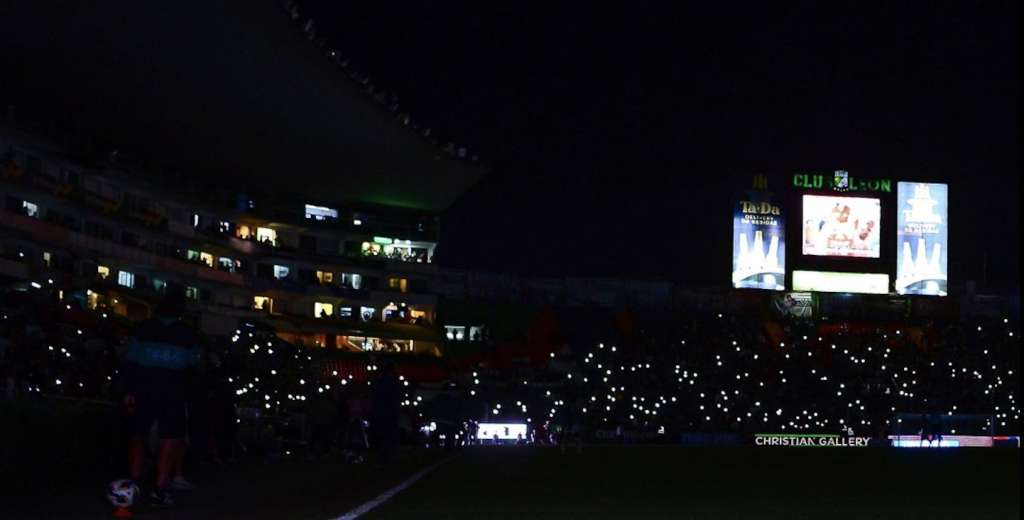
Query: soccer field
point(719, 483)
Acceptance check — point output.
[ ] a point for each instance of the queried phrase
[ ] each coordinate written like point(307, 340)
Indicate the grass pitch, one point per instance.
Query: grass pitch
point(716, 483)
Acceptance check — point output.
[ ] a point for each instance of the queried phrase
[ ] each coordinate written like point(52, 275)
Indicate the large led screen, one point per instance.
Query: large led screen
point(758, 246)
point(501, 431)
point(841, 226)
point(823, 281)
point(922, 235)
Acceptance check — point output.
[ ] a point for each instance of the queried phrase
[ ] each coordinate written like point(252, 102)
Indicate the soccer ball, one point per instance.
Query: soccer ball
point(122, 493)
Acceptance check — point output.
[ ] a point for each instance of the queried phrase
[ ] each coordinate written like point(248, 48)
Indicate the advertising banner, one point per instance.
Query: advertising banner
point(501, 431)
point(758, 246)
point(922, 238)
point(824, 281)
point(841, 226)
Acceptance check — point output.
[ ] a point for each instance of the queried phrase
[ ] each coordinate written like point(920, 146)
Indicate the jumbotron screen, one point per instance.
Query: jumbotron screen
point(842, 226)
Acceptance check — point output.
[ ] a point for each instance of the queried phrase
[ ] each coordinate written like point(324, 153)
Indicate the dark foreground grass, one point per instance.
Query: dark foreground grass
point(716, 483)
point(251, 489)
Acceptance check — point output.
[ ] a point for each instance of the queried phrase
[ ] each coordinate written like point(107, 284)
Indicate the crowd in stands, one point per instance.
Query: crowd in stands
point(706, 373)
point(723, 374)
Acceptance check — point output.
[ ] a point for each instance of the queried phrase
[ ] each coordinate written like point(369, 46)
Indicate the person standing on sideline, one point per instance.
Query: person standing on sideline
point(385, 412)
point(158, 355)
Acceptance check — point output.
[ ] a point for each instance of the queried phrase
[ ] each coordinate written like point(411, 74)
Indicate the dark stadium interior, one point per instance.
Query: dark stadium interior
point(318, 259)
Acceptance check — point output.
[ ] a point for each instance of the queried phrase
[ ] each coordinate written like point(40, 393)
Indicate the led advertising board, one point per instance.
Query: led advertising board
point(503, 431)
point(841, 226)
point(758, 246)
point(795, 304)
point(823, 281)
point(922, 238)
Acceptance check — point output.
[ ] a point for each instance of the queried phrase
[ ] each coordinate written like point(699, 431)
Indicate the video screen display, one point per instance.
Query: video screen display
point(841, 226)
point(758, 246)
point(922, 237)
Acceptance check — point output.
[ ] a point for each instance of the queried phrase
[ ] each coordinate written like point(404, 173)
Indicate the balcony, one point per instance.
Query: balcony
point(48, 232)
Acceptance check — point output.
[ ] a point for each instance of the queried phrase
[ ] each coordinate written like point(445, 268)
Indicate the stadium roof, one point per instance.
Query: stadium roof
point(226, 91)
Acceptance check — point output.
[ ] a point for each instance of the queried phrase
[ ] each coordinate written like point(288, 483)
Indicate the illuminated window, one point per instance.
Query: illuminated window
point(103, 272)
point(192, 293)
point(476, 333)
point(325, 276)
point(345, 312)
point(226, 264)
point(225, 226)
point(31, 210)
point(192, 255)
point(400, 284)
point(321, 213)
point(323, 310)
point(47, 258)
point(126, 279)
point(243, 232)
point(352, 281)
point(206, 258)
point(455, 332)
point(367, 313)
point(280, 272)
point(91, 299)
point(263, 303)
point(195, 220)
point(389, 311)
point(266, 235)
point(159, 285)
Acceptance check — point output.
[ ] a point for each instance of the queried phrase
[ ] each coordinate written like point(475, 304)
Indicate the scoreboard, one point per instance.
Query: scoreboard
point(848, 234)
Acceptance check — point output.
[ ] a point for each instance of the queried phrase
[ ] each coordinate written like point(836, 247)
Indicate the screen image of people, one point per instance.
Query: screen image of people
point(841, 226)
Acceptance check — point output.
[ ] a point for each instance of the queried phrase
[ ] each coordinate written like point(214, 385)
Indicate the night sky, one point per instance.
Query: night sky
point(618, 135)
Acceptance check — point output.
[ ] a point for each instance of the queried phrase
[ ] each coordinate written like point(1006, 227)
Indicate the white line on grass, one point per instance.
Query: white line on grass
point(385, 496)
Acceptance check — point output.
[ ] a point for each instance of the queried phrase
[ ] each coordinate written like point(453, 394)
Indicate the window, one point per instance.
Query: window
point(226, 264)
point(321, 213)
point(352, 281)
point(225, 226)
point(192, 293)
point(192, 255)
point(280, 272)
point(103, 272)
point(401, 250)
point(195, 220)
point(389, 311)
point(243, 232)
point(206, 258)
point(92, 299)
point(325, 277)
point(345, 312)
point(125, 279)
point(47, 258)
point(367, 313)
point(30, 209)
point(263, 303)
point(399, 284)
point(266, 236)
point(323, 310)
point(476, 333)
point(454, 332)
point(159, 285)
